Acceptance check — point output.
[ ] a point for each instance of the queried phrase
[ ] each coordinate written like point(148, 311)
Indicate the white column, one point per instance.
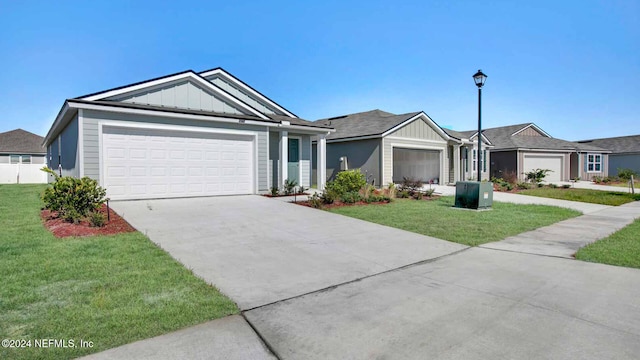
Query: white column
point(321, 152)
point(456, 163)
point(284, 158)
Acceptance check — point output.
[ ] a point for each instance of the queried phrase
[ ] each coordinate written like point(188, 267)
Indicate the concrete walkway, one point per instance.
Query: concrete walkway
point(564, 238)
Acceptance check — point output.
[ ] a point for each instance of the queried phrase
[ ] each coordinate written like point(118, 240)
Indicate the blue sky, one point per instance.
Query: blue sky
point(572, 67)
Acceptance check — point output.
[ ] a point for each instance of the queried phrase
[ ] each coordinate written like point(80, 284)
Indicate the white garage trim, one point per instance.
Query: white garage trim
point(179, 128)
point(550, 162)
point(81, 142)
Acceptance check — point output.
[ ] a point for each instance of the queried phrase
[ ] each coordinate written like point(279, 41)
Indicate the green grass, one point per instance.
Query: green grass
point(621, 248)
point(439, 219)
point(110, 290)
point(583, 195)
point(636, 184)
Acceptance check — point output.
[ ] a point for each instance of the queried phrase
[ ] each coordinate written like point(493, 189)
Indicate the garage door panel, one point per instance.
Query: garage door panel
point(553, 162)
point(141, 163)
point(418, 164)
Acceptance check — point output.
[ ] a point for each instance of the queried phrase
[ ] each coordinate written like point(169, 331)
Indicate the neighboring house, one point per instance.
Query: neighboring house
point(185, 134)
point(387, 147)
point(625, 152)
point(524, 147)
point(21, 158)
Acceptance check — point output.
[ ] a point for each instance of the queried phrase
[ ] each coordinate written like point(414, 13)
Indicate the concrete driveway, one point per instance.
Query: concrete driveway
point(258, 250)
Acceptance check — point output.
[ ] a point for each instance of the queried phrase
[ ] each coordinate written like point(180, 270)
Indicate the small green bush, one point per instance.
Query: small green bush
point(347, 181)
point(290, 186)
point(553, 186)
point(566, 186)
point(73, 198)
point(275, 191)
point(626, 174)
point(391, 190)
point(523, 186)
point(329, 196)
point(411, 185)
point(419, 195)
point(97, 219)
point(402, 194)
point(316, 201)
point(596, 179)
point(429, 192)
point(351, 197)
point(537, 175)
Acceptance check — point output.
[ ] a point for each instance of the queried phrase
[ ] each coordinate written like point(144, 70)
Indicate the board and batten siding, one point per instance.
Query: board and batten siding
point(586, 175)
point(183, 95)
point(417, 129)
point(91, 119)
point(242, 95)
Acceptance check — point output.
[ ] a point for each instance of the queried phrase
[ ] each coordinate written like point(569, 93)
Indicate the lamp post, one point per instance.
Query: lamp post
point(479, 79)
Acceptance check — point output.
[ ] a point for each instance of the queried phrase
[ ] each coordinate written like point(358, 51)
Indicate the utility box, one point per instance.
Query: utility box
point(474, 195)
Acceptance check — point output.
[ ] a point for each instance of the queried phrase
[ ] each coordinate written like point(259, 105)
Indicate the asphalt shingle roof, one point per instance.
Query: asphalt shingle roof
point(501, 138)
point(618, 145)
point(21, 142)
point(368, 123)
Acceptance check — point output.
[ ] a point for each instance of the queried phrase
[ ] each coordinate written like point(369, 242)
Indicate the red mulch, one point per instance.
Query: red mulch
point(60, 228)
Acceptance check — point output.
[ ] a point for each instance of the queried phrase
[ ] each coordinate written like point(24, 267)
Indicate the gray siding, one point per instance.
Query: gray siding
point(184, 95)
point(585, 175)
point(388, 143)
point(92, 151)
point(503, 162)
point(274, 156)
point(305, 158)
point(361, 154)
point(69, 155)
point(244, 96)
point(623, 161)
point(418, 129)
point(4, 159)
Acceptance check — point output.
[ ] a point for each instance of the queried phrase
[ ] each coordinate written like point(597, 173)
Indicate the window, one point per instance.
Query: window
point(26, 159)
point(594, 163)
point(15, 159)
point(484, 160)
point(474, 167)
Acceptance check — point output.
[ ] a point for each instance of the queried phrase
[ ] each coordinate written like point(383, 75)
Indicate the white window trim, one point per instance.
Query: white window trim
point(594, 162)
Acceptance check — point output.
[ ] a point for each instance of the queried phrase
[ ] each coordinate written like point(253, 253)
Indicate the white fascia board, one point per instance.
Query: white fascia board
point(159, 113)
point(401, 138)
point(424, 116)
point(246, 88)
point(305, 129)
point(533, 126)
point(187, 75)
point(354, 138)
point(56, 123)
point(484, 138)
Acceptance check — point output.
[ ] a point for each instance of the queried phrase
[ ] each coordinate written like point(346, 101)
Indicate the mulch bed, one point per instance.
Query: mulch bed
point(338, 204)
point(60, 228)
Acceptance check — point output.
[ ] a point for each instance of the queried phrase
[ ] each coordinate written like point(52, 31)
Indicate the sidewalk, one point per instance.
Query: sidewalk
point(564, 238)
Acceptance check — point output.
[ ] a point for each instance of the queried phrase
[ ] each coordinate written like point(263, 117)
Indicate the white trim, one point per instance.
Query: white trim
point(311, 162)
point(299, 138)
point(187, 75)
point(367, 137)
point(425, 117)
point(56, 122)
point(248, 89)
point(269, 163)
point(283, 150)
point(81, 142)
point(194, 129)
point(321, 166)
point(416, 139)
point(594, 162)
point(484, 137)
point(535, 127)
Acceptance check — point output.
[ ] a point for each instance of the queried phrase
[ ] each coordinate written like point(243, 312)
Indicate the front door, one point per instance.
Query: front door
point(294, 160)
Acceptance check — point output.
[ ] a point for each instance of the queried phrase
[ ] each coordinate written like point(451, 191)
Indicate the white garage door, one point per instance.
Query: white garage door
point(143, 163)
point(423, 165)
point(555, 163)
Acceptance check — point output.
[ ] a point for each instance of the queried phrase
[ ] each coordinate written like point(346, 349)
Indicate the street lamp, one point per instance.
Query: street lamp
point(479, 79)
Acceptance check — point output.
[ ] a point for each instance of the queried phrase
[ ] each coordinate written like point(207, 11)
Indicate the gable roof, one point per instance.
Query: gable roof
point(506, 138)
point(185, 75)
point(618, 145)
point(373, 123)
point(21, 142)
point(250, 90)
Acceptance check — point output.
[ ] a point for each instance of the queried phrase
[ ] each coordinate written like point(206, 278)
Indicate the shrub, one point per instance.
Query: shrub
point(275, 191)
point(347, 181)
point(97, 219)
point(302, 189)
point(411, 185)
point(403, 194)
point(537, 175)
point(553, 186)
point(419, 195)
point(566, 186)
point(523, 185)
point(351, 197)
point(596, 179)
point(391, 190)
point(316, 201)
point(329, 196)
point(290, 186)
point(626, 174)
point(377, 198)
point(73, 198)
point(429, 192)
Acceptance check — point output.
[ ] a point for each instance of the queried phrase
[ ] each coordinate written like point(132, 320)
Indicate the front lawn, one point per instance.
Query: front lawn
point(110, 290)
point(439, 219)
point(583, 195)
point(621, 248)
